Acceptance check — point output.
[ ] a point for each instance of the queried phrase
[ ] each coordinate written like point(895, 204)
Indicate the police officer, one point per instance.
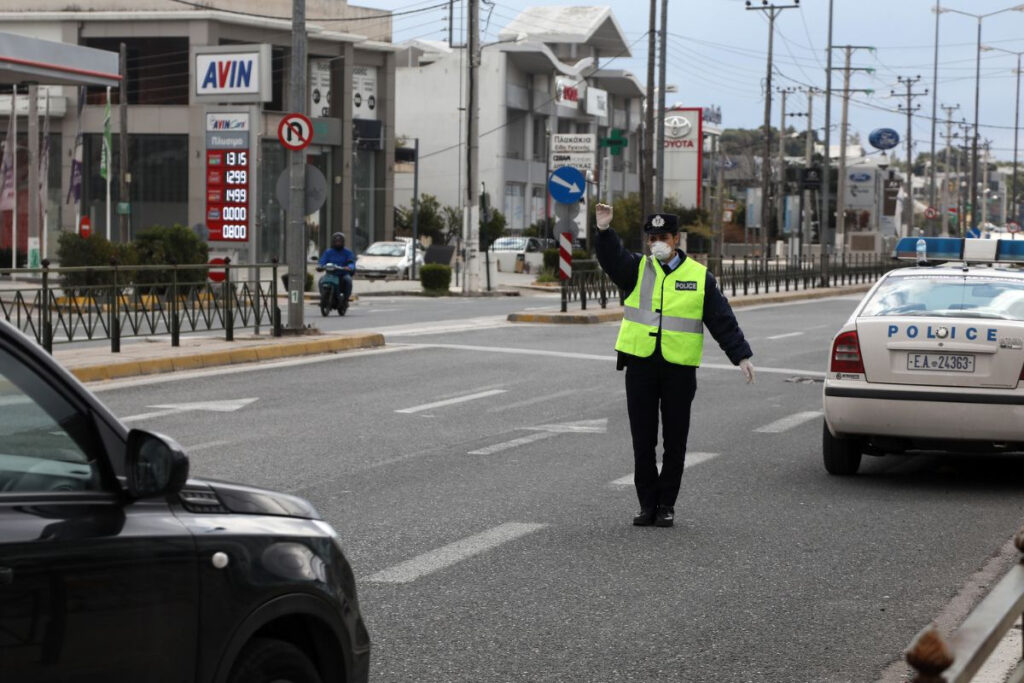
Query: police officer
point(670, 299)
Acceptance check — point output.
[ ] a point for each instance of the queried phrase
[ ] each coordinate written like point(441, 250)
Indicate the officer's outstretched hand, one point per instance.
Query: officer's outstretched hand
point(747, 368)
point(603, 214)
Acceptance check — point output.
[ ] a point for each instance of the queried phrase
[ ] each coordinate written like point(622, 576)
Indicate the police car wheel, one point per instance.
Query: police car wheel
point(842, 456)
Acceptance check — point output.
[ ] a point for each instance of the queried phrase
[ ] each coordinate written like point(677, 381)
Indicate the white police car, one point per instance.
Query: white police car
point(933, 356)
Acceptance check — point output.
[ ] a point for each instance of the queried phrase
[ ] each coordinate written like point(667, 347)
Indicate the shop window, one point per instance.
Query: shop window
point(514, 205)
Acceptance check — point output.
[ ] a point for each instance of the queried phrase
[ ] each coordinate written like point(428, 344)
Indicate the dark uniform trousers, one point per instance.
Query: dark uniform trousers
point(655, 385)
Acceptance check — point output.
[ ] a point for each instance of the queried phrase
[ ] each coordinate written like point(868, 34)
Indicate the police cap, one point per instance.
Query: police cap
point(661, 223)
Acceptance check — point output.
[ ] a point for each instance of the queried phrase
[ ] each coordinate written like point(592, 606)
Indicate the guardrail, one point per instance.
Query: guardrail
point(748, 275)
point(100, 302)
point(957, 660)
point(588, 281)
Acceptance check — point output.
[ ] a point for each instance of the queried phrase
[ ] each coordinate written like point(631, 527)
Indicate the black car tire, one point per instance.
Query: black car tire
point(842, 456)
point(266, 660)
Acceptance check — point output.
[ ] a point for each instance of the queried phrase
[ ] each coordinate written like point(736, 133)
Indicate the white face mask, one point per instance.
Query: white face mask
point(662, 251)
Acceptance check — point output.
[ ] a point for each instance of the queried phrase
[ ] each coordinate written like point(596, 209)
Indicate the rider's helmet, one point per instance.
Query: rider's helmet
point(338, 240)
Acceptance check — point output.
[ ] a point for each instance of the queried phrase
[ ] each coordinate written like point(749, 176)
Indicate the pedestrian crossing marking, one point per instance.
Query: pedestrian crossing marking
point(453, 553)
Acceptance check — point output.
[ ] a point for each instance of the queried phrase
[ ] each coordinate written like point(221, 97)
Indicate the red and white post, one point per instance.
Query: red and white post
point(565, 266)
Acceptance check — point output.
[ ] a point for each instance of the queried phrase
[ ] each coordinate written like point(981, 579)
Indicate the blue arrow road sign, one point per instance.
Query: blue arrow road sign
point(567, 185)
point(974, 232)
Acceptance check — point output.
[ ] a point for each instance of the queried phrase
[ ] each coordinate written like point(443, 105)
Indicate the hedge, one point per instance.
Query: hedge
point(436, 277)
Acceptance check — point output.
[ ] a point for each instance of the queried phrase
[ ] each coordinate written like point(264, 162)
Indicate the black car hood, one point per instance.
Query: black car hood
point(250, 500)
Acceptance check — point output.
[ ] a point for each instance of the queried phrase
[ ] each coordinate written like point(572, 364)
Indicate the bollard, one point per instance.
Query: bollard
point(583, 293)
point(175, 326)
point(275, 322)
point(732, 276)
point(229, 321)
point(114, 312)
point(565, 296)
point(46, 325)
point(604, 292)
point(744, 275)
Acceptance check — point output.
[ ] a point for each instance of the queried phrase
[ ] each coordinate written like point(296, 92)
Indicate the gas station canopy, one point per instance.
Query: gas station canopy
point(44, 62)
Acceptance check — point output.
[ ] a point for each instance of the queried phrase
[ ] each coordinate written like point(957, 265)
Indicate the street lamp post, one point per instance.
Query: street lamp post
point(1016, 126)
point(977, 92)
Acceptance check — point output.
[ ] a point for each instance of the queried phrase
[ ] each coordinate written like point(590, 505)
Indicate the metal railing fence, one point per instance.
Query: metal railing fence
point(958, 660)
point(61, 305)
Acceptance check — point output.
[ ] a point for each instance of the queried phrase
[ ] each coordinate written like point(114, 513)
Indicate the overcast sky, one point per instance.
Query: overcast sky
point(717, 52)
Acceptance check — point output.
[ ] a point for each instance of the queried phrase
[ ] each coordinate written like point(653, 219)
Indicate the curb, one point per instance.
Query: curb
point(209, 359)
point(605, 316)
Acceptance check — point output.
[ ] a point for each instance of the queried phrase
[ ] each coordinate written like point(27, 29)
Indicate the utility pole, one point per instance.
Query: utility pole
point(772, 11)
point(122, 143)
point(935, 94)
point(983, 190)
point(647, 174)
point(944, 210)
point(840, 238)
point(33, 168)
point(805, 194)
point(965, 133)
point(910, 108)
point(780, 194)
point(296, 235)
point(663, 36)
point(471, 281)
point(719, 206)
point(825, 234)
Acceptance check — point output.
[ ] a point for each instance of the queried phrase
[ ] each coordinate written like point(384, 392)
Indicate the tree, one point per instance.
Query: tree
point(432, 222)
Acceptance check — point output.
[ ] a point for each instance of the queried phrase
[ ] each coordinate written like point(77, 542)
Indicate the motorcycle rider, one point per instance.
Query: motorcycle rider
point(343, 258)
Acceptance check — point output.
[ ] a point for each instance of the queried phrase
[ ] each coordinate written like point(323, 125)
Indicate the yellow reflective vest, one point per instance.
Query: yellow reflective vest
point(673, 304)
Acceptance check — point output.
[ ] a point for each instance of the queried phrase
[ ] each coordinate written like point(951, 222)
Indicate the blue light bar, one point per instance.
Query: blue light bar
point(1010, 251)
point(936, 248)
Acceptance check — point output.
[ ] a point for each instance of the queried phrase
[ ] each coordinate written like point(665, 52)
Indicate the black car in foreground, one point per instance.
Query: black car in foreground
point(115, 566)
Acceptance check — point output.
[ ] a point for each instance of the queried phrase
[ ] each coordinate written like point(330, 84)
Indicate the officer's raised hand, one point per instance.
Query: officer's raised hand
point(603, 216)
point(747, 368)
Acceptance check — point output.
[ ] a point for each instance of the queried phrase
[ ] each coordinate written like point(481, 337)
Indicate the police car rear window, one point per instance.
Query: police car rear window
point(948, 296)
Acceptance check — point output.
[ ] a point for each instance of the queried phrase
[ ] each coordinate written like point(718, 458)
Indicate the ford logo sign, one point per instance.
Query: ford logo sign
point(884, 138)
point(860, 177)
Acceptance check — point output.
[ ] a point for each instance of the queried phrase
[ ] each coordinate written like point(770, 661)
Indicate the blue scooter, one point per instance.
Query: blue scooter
point(331, 297)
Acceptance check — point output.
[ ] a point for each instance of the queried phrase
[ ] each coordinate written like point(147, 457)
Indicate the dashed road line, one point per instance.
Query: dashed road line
point(453, 553)
point(451, 401)
point(692, 460)
point(789, 422)
point(505, 445)
point(785, 336)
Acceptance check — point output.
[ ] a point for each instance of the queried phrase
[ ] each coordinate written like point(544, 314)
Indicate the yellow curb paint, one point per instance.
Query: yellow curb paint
point(215, 358)
point(119, 370)
point(154, 366)
point(243, 356)
point(91, 373)
point(268, 352)
point(187, 362)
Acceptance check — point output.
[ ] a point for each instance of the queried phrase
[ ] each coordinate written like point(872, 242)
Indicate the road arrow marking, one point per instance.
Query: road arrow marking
point(599, 426)
point(692, 460)
point(208, 406)
point(453, 553)
point(559, 180)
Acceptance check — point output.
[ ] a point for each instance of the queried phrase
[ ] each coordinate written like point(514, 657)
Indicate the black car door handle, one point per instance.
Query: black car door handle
point(6, 576)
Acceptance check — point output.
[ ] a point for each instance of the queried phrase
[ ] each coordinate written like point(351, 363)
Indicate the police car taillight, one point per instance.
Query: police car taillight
point(846, 354)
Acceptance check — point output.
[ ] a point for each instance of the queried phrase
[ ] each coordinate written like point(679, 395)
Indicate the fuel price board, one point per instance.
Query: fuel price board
point(227, 195)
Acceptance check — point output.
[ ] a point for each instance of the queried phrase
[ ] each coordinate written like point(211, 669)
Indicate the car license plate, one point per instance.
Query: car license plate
point(942, 362)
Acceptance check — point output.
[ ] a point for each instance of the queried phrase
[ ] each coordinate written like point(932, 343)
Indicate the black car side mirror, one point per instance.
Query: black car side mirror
point(155, 465)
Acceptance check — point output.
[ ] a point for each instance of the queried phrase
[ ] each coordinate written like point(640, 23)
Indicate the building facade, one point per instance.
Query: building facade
point(547, 95)
point(206, 94)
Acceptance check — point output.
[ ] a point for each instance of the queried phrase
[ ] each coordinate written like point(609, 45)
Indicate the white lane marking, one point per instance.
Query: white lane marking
point(598, 426)
point(204, 446)
point(229, 406)
point(789, 422)
point(108, 385)
point(692, 460)
point(452, 401)
point(453, 553)
point(535, 399)
point(441, 326)
point(505, 445)
point(784, 336)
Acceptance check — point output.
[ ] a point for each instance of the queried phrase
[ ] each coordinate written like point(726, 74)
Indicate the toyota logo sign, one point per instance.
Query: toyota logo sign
point(677, 126)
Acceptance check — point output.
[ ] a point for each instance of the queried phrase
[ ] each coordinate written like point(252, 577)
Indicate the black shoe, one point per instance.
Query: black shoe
point(665, 516)
point(645, 518)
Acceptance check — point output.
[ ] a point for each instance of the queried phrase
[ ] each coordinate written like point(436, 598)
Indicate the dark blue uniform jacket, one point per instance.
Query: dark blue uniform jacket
point(623, 267)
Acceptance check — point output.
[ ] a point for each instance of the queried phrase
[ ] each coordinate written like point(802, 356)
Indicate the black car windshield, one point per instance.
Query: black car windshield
point(948, 296)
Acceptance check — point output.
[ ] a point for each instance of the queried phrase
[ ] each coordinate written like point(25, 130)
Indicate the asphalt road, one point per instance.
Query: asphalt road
point(479, 475)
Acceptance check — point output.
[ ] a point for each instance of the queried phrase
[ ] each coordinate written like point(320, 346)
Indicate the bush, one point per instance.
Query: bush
point(309, 281)
point(159, 245)
point(435, 277)
point(73, 250)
